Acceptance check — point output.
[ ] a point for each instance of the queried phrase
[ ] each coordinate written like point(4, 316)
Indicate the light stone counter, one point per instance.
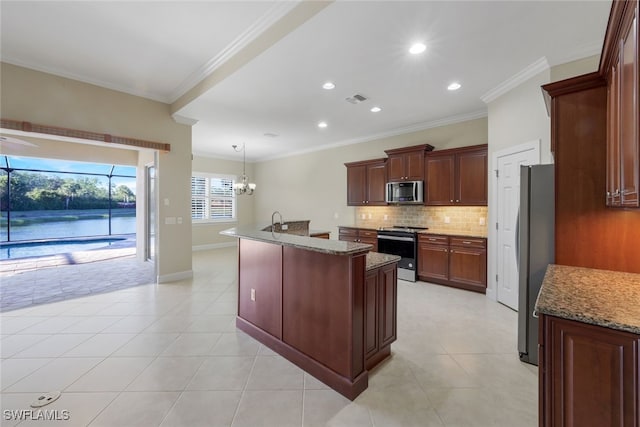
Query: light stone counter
point(598, 297)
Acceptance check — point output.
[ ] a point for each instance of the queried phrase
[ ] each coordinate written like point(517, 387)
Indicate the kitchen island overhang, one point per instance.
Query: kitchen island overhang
point(328, 306)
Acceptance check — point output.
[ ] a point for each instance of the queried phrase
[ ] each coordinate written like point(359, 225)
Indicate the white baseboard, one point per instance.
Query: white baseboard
point(173, 277)
point(214, 246)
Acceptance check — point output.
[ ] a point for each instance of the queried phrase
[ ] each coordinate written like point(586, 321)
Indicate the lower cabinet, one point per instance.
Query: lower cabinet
point(359, 235)
point(380, 317)
point(588, 375)
point(454, 261)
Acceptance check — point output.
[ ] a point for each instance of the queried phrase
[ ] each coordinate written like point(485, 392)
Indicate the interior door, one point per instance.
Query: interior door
point(508, 202)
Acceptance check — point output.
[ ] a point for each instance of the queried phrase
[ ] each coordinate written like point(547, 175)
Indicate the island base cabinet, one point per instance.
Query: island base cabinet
point(588, 375)
point(380, 295)
point(260, 285)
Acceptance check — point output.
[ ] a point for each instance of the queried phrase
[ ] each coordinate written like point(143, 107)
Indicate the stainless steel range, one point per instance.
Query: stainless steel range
point(402, 241)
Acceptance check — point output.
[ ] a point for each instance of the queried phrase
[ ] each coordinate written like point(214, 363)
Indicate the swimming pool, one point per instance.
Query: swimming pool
point(53, 247)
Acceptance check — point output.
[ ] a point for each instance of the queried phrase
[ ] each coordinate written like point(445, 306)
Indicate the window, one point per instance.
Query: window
point(212, 198)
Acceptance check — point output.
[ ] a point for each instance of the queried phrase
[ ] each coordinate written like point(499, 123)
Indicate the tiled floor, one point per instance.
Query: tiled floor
point(170, 355)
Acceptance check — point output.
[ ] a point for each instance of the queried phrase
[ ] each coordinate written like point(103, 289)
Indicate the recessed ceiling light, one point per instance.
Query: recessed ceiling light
point(322, 125)
point(454, 86)
point(375, 109)
point(328, 86)
point(271, 135)
point(417, 48)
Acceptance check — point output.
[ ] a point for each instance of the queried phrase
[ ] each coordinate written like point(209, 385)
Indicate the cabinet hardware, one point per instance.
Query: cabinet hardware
point(466, 242)
point(457, 201)
point(451, 201)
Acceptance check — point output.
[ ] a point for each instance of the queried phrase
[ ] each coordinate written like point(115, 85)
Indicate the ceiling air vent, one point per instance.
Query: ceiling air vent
point(356, 99)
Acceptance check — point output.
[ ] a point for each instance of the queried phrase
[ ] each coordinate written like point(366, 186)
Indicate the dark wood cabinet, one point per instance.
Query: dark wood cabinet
point(380, 295)
point(588, 375)
point(623, 106)
point(366, 182)
point(457, 177)
point(407, 164)
point(454, 261)
point(359, 235)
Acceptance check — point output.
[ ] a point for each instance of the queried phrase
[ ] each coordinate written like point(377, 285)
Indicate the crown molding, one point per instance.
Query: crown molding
point(393, 132)
point(184, 120)
point(272, 15)
point(537, 67)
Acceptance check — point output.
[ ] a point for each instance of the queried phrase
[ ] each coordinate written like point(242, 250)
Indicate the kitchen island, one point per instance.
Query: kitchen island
point(589, 344)
point(328, 306)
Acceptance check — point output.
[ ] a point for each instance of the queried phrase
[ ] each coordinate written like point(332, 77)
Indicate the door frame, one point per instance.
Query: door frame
point(492, 241)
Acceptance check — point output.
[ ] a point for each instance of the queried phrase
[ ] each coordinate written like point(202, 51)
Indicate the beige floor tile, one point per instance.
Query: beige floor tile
point(275, 373)
point(91, 324)
point(81, 409)
point(222, 308)
point(52, 325)
point(442, 371)
point(15, 324)
point(146, 345)
point(167, 374)
point(400, 405)
point(235, 344)
point(170, 324)
point(53, 345)
point(192, 344)
point(274, 408)
point(100, 345)
point(130, 324)
point(222, 373)
point(311, 383)
point(329, 408)
point(57, 375)
point(213, 324)
point(12, 370)
point(203, 409)
point(12, 404)
point(86, 308)
point(112, 374)
point(13, 344)
point(136, 409)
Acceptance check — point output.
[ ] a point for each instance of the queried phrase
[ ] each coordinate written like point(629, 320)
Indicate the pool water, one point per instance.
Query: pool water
point(36, 249)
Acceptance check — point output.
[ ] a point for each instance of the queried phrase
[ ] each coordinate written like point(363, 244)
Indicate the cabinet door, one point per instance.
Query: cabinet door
point(376, 182)
point(613, 137)
point(629, 149)
point(472, 177)
point(590, 375)
point(468, 266)
point(440, 179)
point(260, 293)
point(414, 166)
point(371, 295)
point(356, 185)
point(387, 287)
point(433, 262)
point(396, 169)
point(369, 237)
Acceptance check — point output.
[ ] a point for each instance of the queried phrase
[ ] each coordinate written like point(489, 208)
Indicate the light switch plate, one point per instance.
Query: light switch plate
point(253, 294)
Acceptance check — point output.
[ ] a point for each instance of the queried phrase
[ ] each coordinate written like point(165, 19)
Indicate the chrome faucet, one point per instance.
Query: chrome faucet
point(273, 223)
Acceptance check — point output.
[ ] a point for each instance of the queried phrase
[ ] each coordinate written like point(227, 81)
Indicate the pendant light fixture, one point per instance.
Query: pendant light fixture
point(244, 187)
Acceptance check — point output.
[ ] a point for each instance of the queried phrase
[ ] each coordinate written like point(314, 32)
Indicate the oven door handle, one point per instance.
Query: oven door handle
point(402, 239)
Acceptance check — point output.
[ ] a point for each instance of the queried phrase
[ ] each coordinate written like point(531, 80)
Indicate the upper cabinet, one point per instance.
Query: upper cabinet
point(366, 182)
point(457, 177)
point(620, 67)
point(407, 164)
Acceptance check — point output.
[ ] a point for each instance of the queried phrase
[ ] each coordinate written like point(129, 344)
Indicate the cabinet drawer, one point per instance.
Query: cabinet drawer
point(433, 239)
point(348, 232)
point(368, 234)
point(470, 242)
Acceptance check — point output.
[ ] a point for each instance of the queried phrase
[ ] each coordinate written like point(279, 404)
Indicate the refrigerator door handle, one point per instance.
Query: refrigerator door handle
point(517, 233)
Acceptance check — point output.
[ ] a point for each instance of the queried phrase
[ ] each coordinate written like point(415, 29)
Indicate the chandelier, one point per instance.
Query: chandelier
point(244, 187)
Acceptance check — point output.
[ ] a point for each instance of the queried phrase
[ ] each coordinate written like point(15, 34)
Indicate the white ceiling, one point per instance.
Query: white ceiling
point(160, 50)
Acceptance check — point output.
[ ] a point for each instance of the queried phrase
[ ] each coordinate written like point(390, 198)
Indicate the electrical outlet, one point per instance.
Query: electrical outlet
point(363, 216)
point(447, 220)
point(482, 221)
point(285, 226)
point(370, 216)
point(253, 294)
point(386, 217)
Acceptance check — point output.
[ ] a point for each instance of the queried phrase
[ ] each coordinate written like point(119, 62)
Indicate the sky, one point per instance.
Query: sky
point(70, 166)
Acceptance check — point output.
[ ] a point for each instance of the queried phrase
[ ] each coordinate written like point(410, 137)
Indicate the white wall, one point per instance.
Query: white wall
point(520, 116)
point(206, 236)
point(37, 97)
point(314, 186)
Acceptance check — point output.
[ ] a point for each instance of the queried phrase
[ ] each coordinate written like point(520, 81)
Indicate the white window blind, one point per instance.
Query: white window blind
point(212, 198)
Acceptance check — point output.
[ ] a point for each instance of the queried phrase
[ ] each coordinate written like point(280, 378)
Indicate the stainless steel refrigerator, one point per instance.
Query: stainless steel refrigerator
point(536, 250)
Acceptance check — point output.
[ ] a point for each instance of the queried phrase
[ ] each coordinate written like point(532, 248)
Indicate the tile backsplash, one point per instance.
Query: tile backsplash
point(462, 219)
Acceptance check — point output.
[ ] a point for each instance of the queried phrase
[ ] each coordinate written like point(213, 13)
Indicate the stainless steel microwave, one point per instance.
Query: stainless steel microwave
point(404, 192)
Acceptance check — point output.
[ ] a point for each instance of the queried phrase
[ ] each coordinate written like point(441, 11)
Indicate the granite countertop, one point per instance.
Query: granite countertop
point(333, 247)
point(359, 228)
point(599, 297)
point(376, 260)
point(452, 233)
